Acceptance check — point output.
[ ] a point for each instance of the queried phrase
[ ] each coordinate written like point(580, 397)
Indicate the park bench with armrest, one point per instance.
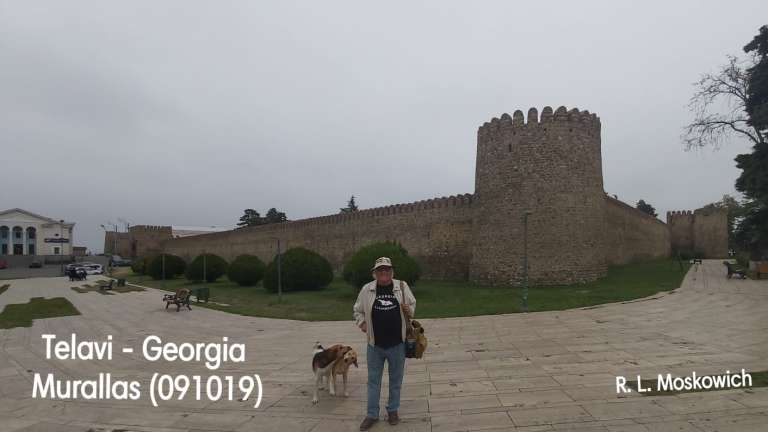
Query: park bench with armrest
point(735, 270)
point(180, 298)
point(104, 285)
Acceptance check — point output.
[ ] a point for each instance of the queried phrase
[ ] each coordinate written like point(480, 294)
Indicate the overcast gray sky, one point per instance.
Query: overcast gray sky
point(185, 113)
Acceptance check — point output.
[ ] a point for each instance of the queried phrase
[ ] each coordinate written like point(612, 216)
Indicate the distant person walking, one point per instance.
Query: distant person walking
point(381, 311)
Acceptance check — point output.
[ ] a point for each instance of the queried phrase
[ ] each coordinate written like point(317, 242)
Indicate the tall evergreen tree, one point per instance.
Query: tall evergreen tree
point(753, 181)
point(250, 217)
point(646, 208)
point(757, 81)
point(274, 216)
point(351, 206)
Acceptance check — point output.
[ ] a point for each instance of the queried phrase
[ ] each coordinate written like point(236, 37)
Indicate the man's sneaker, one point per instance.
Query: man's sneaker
point(367, 423)
point(393, 418)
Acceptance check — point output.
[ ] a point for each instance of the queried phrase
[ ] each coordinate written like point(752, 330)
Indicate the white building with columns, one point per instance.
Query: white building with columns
point(25, 233)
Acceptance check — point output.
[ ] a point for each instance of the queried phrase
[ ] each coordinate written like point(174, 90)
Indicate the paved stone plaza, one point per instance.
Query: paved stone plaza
point(535, 372)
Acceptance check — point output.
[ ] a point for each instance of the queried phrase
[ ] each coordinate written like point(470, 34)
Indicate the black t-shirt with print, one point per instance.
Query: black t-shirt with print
point(385, 317)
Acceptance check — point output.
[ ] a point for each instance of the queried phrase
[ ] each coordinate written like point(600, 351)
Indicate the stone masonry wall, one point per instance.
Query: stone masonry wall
point(710, 233)
point(121, 240)
point(632, 235)
point(680, 225)
point(148, 239)
point(436, 232)
point(701, 232)
point(550, 166)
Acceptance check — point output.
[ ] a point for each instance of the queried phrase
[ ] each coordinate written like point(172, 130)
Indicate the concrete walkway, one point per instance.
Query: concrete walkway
point(534, 372)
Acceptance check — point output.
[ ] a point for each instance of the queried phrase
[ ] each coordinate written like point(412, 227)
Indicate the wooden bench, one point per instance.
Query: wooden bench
point(734, 270)
point(106, 285)
point(180, 298)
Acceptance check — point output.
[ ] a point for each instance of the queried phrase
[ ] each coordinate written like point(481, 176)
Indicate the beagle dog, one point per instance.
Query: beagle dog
point(327, 363)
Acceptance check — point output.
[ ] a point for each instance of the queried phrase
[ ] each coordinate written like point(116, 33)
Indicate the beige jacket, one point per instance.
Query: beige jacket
point(364, 304)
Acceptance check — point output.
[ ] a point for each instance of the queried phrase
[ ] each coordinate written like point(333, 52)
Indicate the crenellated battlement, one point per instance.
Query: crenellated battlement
point(148, 228)
point(680, 215)
point(462, 200)
point(583, 120)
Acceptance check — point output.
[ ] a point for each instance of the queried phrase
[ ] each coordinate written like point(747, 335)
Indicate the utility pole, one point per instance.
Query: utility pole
point(525, 260)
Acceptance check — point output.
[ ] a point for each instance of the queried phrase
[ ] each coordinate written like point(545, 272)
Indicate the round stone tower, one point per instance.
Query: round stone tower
point(551, 168)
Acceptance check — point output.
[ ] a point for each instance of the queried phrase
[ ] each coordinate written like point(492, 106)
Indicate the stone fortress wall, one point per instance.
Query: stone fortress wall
point(140, 240)
point(548, 166)
point(436, 232)
point(633, 235)
point(699, 232)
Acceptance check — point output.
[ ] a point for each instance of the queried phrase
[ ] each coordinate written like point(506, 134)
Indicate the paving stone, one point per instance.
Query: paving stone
point(546, 416)
point(625, 409)
point(533, 398)
point(548, 371)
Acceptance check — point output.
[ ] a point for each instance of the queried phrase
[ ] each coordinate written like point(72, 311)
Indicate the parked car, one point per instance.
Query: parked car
point(35, 264)
point(118, 261)
point(91, 268)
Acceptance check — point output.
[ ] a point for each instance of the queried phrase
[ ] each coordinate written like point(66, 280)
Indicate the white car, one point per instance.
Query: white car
point(91, 268)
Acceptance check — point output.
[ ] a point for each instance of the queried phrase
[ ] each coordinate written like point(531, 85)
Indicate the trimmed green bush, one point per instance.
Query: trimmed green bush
point(246, 270)
point(139, 265)
point(357, 270)
point(174, 266)
point(215, 267)
point(302, 270)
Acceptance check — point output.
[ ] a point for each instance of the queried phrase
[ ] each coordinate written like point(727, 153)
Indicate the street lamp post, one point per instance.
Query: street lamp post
point(204, 264)
point(61, 245)
point(279, 274)
point(279, 271)
point(114, 248)
point(163, 269)
point(525, 260)
point(109, 263)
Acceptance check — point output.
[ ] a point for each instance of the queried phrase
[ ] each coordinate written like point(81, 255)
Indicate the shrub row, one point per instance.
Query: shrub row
point(301, 268)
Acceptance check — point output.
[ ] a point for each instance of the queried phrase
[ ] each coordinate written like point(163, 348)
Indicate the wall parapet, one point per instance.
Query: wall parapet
point(462, 200)
point(150, 228)
point(445, 202)
point(587, 121)
point(639, 212)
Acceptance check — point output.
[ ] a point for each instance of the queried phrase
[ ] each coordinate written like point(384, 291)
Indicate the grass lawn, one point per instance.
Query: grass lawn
point(438, 299)
point(21, 315)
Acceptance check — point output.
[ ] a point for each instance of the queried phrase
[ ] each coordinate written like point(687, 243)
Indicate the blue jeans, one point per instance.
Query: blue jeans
point(395, 356)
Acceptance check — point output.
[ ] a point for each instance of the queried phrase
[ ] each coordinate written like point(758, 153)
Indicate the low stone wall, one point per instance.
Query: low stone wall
point(632, 235)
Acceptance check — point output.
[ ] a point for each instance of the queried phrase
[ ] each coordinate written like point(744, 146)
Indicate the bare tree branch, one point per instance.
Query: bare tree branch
point(726, 89)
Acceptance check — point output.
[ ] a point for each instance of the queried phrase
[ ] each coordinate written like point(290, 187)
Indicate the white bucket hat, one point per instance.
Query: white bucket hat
point(382, 262)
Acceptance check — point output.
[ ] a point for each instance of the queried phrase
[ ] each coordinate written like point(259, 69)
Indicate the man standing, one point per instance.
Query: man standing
point(381, 311)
